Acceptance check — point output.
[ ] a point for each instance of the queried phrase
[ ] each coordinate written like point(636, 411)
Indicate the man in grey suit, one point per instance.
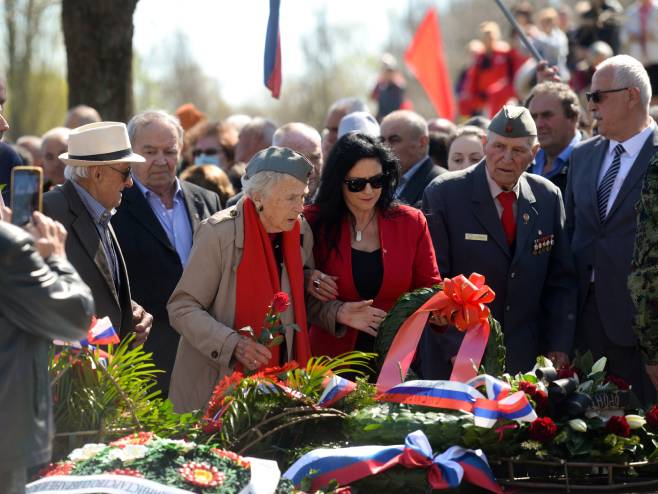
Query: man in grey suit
point(97, 171)
point(495, 219)
point(42, 298)
point(407, 135)
point(604, 184)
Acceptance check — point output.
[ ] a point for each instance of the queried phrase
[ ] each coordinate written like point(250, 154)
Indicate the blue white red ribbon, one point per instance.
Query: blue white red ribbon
point(335, 389)
point(101, 333)
point(498, 404)
point(347, 465)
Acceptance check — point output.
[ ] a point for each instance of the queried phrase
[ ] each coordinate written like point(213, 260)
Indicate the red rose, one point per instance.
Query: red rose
point(567, 371)
point(619, 426)
point(541, 402)
point(542, 429)
point(652, 417)
point(617, 381)
point(280, 302)
point(528, 387)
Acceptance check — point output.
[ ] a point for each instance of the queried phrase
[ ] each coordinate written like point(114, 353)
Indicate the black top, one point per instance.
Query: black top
point(367, 272)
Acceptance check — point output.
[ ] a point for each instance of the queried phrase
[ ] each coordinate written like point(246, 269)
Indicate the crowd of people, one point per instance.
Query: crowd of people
point(182, 228)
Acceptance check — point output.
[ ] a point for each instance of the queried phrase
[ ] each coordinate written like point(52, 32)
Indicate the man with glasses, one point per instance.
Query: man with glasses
point(97, 171)
point(604, 184)
point(406, 134)
point(496, 219)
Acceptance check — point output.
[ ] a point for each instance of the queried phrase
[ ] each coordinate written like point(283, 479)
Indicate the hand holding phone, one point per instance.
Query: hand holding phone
point(26, 193)
point(49, 235)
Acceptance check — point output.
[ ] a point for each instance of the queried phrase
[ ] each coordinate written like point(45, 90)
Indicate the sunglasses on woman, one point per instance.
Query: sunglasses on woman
point(595, 96)
point(358, 184)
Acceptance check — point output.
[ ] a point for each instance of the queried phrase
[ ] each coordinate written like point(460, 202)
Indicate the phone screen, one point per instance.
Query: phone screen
point(25, 195)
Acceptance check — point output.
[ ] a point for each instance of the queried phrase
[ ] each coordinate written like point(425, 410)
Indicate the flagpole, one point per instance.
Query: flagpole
point(528, 44)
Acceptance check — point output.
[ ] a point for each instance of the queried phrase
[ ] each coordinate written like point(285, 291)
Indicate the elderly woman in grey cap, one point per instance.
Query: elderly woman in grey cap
point(241, 257)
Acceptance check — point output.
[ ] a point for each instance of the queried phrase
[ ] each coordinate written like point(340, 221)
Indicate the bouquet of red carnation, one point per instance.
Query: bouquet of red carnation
point(273, 331)
point(542, 429)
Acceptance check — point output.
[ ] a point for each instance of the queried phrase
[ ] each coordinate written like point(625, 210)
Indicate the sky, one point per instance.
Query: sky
point(229, 37)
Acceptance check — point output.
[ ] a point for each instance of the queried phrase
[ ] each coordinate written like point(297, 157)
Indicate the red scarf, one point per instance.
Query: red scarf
point(258, 281)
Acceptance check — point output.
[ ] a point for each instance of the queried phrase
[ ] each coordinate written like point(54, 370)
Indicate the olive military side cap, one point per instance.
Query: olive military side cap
point(513, 121)
point(282, 160)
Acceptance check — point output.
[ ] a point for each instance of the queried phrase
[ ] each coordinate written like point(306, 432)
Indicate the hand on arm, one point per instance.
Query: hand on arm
point(322, 286)
point(361, 316)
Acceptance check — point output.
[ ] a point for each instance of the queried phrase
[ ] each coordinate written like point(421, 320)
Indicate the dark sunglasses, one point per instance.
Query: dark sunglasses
point(595, 96)
point(358, 184)
point(207, 152)
point(124, 174)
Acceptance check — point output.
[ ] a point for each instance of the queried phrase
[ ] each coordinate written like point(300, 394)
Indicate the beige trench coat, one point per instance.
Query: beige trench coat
point(202, 307)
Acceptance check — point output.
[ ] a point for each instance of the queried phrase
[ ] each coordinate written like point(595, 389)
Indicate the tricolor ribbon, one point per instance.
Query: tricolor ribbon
point(347, 465)
point(462, 302)
point(335, 388)
point(101, 332)
point(486, 410)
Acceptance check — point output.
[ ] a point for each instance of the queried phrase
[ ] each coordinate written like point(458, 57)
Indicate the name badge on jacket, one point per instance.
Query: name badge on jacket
point(480, 237)
point(543, 243)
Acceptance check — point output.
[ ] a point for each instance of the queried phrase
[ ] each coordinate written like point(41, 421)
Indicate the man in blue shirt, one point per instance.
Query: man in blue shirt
point(555, 109)
point(155, 225)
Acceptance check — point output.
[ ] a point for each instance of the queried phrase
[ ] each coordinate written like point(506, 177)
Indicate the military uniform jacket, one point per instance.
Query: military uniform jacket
point(534, 283)
point(606, 248)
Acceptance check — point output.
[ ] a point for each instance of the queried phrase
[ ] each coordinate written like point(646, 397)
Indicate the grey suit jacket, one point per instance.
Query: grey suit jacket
point(535, 292)
point(154, 267)
point(85, 251)
point(40, 301)
point(606, 248)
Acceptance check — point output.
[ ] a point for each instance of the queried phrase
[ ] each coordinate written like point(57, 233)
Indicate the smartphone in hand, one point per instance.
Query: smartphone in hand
point(26, 193)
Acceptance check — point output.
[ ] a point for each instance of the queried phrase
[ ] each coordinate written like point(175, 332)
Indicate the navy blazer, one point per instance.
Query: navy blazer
point(154, 266)
point(606, 248)
point(535, 290)
point(412, 193)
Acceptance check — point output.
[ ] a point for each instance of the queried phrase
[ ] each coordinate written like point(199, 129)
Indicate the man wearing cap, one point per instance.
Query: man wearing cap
point(606, 174)
point(497, 220)
point(97, 170)
point(241, 257)
point(406, 134)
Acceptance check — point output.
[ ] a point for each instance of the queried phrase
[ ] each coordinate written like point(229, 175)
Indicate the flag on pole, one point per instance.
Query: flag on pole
point(273, 51)
point(426, 61)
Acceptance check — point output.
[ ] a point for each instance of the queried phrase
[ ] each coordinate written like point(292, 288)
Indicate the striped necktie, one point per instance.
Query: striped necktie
point(605, 188)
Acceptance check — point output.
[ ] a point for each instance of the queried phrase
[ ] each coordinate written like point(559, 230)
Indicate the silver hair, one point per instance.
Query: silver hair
point(75, 173)
point(263, 183)
point(349, 105)
point(147, 117)
point(629, 72)
point(57, 133)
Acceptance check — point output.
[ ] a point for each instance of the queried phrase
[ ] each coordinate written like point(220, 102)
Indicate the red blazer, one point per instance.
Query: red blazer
point(408, 259)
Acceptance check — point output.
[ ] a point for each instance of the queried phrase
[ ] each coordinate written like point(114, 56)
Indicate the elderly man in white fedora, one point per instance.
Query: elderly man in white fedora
point(97, 170)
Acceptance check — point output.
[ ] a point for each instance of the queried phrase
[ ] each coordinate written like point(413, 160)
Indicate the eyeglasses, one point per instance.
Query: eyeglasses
point(358, 184)
point(125, 174)
point(207, 152)
point(595, 96)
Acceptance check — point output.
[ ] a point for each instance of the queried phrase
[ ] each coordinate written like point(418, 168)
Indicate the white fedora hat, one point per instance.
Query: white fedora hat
point(100, 143)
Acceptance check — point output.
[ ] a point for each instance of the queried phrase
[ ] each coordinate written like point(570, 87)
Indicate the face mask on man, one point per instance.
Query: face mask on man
point(206, 159)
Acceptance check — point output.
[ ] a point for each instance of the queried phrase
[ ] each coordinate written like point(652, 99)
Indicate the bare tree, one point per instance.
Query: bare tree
point(98, 36)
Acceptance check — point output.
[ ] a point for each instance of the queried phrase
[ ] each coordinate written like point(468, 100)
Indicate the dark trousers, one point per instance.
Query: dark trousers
point(13, 481)
point(623, 361)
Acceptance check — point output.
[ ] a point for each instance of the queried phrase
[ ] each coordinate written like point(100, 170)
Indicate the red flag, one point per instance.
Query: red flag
point(425, 60)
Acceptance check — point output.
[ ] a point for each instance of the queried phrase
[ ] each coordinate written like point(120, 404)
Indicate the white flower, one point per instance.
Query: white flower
point(129, 452)
point(184, 446)
point(87, 451)
point(635, 421)
point(579, 425)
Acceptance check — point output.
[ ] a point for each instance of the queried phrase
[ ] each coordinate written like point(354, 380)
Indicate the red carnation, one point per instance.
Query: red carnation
point(619, 426)
point(567, 371)
point(617, 381)
point(528, 387)
point(652, 417)
point(541, 402)
point(280, 302)
point(542, 429)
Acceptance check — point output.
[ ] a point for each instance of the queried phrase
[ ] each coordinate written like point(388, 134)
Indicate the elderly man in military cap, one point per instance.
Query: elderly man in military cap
point(508, 225)
point(240, 258)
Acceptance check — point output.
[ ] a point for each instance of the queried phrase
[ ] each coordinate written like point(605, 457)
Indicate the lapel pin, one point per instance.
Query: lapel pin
point(526, 218)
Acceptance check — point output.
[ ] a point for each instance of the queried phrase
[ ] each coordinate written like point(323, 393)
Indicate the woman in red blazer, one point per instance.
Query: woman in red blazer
point(366, 246)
